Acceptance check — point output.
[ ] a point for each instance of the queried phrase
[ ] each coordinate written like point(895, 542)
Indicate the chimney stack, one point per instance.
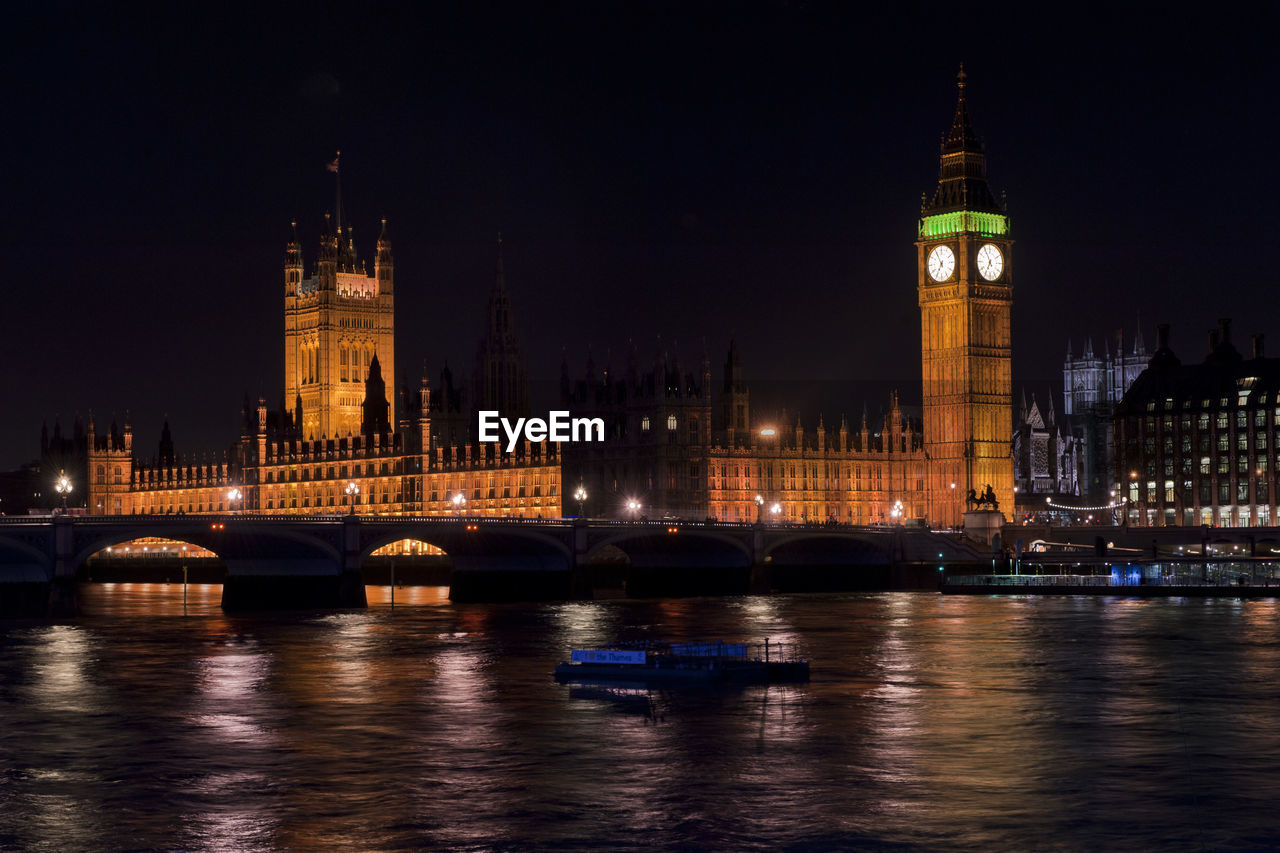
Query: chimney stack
point(1258, 351)
point(1213, 340)
point(1224, 330)
point(1162, 336)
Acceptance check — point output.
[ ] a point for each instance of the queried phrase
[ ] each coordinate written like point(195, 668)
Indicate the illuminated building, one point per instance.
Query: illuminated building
point(1044, 457)
point(338, 441)
point(339, 448)
point(1094, 385)
point(850, 478)
point(657, 435)
point(661, 451)
point(335, 322)
point(965, 288)
point(1196, 443)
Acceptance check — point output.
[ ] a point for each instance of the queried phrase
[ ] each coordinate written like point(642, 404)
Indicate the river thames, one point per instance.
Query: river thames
point(957, 722)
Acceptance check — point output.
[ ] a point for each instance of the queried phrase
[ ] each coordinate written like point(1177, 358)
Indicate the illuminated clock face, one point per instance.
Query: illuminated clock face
point(942, 262)
point(990, 262)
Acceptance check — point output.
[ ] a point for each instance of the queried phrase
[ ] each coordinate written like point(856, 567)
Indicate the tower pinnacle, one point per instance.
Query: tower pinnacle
point(962, 170)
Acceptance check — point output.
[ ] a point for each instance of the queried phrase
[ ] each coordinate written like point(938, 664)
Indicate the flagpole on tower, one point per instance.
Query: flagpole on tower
point(337, 209)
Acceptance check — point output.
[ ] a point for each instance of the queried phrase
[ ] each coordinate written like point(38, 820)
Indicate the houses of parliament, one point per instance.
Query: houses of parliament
point(677, 442)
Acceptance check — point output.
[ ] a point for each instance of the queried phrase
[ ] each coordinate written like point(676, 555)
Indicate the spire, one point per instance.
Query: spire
point(1139, 346)
point(383, 265)
point(962, 170)
point(375, 407)
point(500, 281)
point(337, 205)
point(166, 453)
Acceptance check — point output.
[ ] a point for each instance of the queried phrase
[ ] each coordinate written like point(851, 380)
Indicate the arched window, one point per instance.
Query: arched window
point(671, 422)
point(644, 424)
point(102, 473)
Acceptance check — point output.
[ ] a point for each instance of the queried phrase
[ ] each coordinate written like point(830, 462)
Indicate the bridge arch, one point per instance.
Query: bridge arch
point(28, 556)
point(830, 548)
point(456, 540)
point(409, 546)
point(655, 543)
point(219, 537)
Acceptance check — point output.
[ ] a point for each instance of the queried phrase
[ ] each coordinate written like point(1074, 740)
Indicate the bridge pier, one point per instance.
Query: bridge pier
point(255, 583)
point(581, 586)
point(62, 586)
point(760, 581)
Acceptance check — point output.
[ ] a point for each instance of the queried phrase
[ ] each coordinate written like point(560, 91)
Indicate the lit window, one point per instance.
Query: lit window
point(644, 424)
point(671, 422)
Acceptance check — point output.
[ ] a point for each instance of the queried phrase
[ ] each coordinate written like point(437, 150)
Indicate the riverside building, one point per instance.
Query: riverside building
point(1196, 443)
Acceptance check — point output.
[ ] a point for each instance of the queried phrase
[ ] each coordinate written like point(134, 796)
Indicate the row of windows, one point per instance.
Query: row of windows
point(277, 501)
point(371, 469)
point(481, 492)
point(1206, 493)
point(1206, 443)
point(673, 423)
point(1243, 397)
point(1221, 420)
point(749, 512)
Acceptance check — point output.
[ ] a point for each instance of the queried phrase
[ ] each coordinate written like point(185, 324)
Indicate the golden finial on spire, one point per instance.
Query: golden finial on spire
point(960, 77)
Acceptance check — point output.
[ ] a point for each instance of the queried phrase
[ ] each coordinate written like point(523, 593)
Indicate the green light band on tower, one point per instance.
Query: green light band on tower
point(960, 221)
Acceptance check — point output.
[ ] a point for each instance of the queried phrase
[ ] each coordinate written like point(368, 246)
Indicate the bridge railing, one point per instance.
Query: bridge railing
point(183, 520)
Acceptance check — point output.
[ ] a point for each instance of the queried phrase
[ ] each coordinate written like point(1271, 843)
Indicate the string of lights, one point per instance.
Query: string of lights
point(1112, 505)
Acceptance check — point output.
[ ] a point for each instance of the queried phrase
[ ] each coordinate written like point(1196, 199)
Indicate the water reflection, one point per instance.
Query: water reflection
point(931, 722)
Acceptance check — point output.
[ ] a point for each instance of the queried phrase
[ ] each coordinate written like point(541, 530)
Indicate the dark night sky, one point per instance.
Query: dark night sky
point(692, 170)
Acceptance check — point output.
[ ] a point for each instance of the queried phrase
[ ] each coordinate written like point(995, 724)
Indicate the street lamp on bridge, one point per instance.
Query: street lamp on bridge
point(63, 488)
point(633, 507)
point(353, 493)
point(459, 501)
point(581, 497)
point(232, 496)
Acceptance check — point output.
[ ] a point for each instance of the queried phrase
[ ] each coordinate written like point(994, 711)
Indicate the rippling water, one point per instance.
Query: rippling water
point(935, 722)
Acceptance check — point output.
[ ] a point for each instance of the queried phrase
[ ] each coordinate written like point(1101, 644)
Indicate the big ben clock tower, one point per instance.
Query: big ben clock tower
point(965, 285)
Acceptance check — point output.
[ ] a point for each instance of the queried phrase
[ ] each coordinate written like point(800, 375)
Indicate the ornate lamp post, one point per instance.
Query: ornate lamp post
point(759, 509)
point(775, 511)
point(63, 488)
point(353, 491)
point(232, 496)
point(633, 507)
point(459, 501)
point(580, 496)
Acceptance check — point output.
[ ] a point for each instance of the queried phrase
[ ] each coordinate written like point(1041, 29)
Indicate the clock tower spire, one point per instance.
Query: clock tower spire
point(964, 284)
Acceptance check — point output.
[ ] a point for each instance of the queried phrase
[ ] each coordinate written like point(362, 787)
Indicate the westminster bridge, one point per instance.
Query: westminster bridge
point(282, 562)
